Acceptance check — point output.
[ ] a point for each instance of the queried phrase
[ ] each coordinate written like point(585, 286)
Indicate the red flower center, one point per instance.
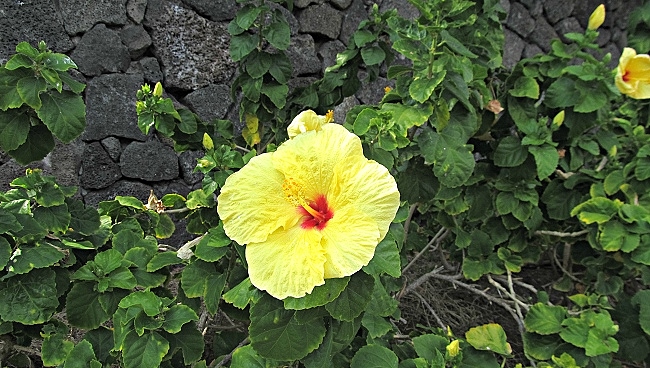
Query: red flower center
point(626, 76)
point(317, 213)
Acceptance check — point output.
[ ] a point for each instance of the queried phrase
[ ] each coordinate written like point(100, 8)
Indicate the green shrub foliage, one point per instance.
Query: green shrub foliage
point(543, 165)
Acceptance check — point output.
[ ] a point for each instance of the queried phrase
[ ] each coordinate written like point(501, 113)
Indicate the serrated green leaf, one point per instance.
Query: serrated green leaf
point(241, 45)
point(5, 252)
point(75, 86)
point(377, 326)
point(374, 356)
point(373, 55)
point(546, 159)
point(489, 337)
point(161, 260)
point(9, 97)
point(29, 89)
point(354, 299)
point(59, 62)
point(39, 255)
point(321, 295)
point(386, 259)
point(544, 319)
point(194, 278)
point(55, 349)
point(64, 114)
point(242, 294)
point(82, 356)
point(427, 345)
point(540, 347)
point(19, 61)
point(275, 333)
point(212, 296)
point(38, 144)
point(599, 210)
point(277, 93)
point(177, 316)
point(14, 128)
point(455, 45)
point(190, 341)
point(26, 49)
point(510, 152)
point(165, 227)
point(525, 87)
point(247, 357)
point(56, 219)
point(278, 32)
point(29, 298)
point(422, 87)
point(144, 351)
point(83, 220)
point(83, 306)
point(408, 116)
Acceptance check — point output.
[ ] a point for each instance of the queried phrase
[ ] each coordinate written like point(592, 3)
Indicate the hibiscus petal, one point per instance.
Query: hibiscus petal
point(289, 263)
point(349, 241)
point(311, 158)
point(369, 188)
point(252, 204)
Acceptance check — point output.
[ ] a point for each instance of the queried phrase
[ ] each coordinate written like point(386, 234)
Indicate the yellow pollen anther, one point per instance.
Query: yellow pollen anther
point(329, 117)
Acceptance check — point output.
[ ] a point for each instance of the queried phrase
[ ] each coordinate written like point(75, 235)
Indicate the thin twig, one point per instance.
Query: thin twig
point(407, 223)
point(561, 234)
point(431, 310)
point(435, 240)
point(26, 349)
point(226, 359)
point(559, 264)
point(519, 283)
point(242, 148)
point(177, 210)
point(510, 295)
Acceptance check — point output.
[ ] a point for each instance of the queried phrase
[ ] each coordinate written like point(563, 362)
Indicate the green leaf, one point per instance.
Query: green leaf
point(546, 159)
point(455, 45)
point(177, 316)
point(9, 97)
point(30, 298)
point(247, 357)
point(321, 295)
point(427, 345)
point(362, 37)
point(275, 333)
point(165, 227)
point(29, 89)
point(19, 61)
point(354, 299)
point(247, 15)
point(525, 87)
point(149, 302)
point(59, 62)
point(55, 349)
point(277, 93)
point(544, 319)
point(213, 245)
point(83, 220)
point(374, 356)
point(562, 93)
point(14, 128)
point(54, 218)
point(64, 114)
point(241, 45)
point(40, 255)
point(242, 294)
point(190, 341)
point(161, 260)
point(540, 347)
point(422, 87)
point(75, 86)
point(510, 152)
point(82, 356)
point(212, 296)
point(377, 326)
point(386, 259)
point(144, 351)
point(5, 252)
point(373, 55)
point(26, 49)
point(490, 337)
point(278, 32)
point(258, 64)
point(599, 210)
point(407, 116)
point(194, 278)
point(642, 299)
point(83, 306)
point(281, 68)
point(612, 236)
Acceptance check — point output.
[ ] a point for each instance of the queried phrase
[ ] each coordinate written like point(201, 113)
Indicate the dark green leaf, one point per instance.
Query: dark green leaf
point(64, 114)
point(190, 341)
point(241, 45)
point(544, 319)
point(275, 333)
point(14, 128)
point(177, 316)
point(83, 306)
point(321, 295)
point(374, 356)
point(489, 337)
point(354, 299)
point(9, 97)
point(278, 32)
point(19, 61)
point(59, 62)
point(54, 218)
point(39, 255)
point(82, 356)
point(29, 298)
point(144, 351)
point(29, 89)
point(373, 55)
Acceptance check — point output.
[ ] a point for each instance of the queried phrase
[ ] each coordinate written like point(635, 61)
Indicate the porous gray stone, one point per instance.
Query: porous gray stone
point(209, 103)
point(187, 163)
point(351, 19)
point(304, 3)
point(535, 7)
point(193, 51)
point(65, 162)
point(583, 9)
point(101, 51)
point(404, 8)
point(215, 10)
point(543, 34)
point(135, 10)
point(519, 20)
point(568, 25)
point(302, 53)
point(294, 26)
point(341, 4)
point(31, 21)
point(513, 47)
point(151, 69)
point(113, 147)
point(321, 19)
point(150, 161)
point(97, 168)
point(81, 15)
point(341, 110)
point(136, 39)
point(557, 9)
point(121, 188)
point(531, 50)
point(371, 93)
point(328, 51)
point(110, 107)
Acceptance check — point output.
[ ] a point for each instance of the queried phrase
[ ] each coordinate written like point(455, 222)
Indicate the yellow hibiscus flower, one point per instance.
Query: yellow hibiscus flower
point(633, 74)
point(314, 209)
point(308, 120)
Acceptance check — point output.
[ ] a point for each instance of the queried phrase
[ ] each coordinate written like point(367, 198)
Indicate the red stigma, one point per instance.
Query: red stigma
point(318, 217)
point(626, 76)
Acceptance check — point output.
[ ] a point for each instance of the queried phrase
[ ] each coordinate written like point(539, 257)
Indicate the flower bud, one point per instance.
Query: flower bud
point(453, 348)
point(208, 144)
point(597, 18)
point(158, 90)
